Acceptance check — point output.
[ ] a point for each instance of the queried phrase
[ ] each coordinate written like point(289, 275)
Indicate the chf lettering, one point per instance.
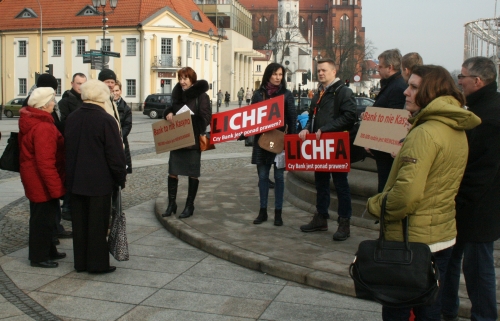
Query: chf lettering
point(321, 149)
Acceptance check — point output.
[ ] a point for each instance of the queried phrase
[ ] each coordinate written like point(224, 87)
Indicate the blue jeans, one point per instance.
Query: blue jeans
point(322, 181)
point(279, 187)
point(426, 312)
point(479, 273)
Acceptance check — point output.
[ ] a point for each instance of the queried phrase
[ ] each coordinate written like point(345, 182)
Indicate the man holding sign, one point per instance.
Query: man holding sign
point(323, 117)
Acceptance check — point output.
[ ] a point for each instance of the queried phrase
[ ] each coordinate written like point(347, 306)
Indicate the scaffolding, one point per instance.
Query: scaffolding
point(481, 38)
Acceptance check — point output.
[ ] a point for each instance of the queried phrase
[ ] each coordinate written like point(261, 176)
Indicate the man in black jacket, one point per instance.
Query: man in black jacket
point(390, 96)
point(71, 99)
point(323, 117)
point(478, 198)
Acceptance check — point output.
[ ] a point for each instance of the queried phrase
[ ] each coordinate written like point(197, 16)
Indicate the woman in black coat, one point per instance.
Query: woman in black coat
point(125, 113)
point(273, 85)
point(187, 161)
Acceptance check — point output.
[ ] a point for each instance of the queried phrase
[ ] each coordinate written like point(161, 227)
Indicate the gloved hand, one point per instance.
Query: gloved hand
point(242, 137)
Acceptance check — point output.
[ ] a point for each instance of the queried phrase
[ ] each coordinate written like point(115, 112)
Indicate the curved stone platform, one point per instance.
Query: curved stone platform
point(226, 205)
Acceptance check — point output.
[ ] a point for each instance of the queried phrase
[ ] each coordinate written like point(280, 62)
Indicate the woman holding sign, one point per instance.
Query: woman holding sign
point(426, 174)
point(186, 161)
point(273, 85)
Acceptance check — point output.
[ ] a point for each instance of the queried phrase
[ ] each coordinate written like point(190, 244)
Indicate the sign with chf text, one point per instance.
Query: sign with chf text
point(173, 135)
point(250, 120)
point(328, 154)
point(383, 129)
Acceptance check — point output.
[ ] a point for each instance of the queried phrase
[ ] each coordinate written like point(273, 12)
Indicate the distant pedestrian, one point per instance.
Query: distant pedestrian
point(125, 113)
point(241, 94)
point(248, 96)
point(220, 96)
point(227, 98)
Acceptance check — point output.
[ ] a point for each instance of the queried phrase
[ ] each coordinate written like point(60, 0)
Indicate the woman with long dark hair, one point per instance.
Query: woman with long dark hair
point(186, 161)
point(426, 174)
point(273, 85)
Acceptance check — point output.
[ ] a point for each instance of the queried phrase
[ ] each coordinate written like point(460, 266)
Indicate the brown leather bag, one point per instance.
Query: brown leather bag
point(205, 143)
point(273, 141)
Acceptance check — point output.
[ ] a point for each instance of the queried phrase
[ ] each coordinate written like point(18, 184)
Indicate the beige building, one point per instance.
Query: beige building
point(154, 38)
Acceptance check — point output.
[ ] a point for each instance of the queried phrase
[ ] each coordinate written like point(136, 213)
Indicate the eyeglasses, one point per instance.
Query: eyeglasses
point(460, 76)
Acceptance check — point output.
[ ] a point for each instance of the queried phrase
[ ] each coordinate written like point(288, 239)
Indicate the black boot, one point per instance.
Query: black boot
point(277, 218)
point(318, 223)
point(172, 194)
point(192, 189)
point(262, 216)
point(344, 231)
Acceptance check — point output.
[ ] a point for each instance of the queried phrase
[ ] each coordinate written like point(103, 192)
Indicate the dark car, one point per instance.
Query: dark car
point(155, 104)
point(304, 104)
point(362, 103)
point(12, 107)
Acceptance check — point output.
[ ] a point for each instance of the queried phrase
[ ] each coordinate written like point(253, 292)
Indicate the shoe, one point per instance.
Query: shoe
point(318, 223)
point(109, 270)
point(344, 231)
point(66, 215)
point(55, 241)
point(172, 194)
point(262, 216)
point(65, 235)
point(277, 218)
point(192, 190)
point(45, 264)
point(271, 184)
point(58, 256)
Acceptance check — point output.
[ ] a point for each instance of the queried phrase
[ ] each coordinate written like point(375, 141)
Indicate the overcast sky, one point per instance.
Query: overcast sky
point(433, 28)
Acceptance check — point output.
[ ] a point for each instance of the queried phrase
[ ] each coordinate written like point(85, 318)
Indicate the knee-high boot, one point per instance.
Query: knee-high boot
point(192, 189)
point(172, 194)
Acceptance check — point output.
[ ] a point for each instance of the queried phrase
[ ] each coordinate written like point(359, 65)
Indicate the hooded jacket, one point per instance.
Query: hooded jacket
point(41, 158)
point(202, 111)
point(426, 174)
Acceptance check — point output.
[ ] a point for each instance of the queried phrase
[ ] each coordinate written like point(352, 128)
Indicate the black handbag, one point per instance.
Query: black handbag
point(10, 157)
point(395, 274)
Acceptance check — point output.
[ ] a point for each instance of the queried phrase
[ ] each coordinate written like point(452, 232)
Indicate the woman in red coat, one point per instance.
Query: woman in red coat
point(42, 174)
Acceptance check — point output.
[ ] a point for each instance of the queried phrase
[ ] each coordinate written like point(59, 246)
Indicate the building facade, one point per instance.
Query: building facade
point(154, 38)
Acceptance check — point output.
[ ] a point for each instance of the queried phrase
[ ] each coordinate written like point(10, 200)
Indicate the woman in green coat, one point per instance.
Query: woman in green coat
point(426, 173)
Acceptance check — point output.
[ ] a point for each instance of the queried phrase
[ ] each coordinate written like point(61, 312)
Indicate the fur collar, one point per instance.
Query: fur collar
point(183, 96)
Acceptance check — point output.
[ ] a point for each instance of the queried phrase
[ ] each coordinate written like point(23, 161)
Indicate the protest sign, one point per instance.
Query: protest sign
point(383, 129)
point(328, 154)
point(173, 135)
point(249, 120)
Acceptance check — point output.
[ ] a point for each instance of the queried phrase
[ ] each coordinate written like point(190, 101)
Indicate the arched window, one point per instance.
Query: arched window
point(263, 25)
point(288, 18)
point(319, 26)
point(287, 51)
point(303, 25)
point(344, 24)
point(287, 36)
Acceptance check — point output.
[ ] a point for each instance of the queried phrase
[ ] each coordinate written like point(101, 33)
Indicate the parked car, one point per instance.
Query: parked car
point(12, 107)
point(362, 103)
point(155, 104)
point(304, 104)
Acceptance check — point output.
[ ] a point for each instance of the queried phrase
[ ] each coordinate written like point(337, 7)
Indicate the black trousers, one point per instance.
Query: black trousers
point(42, 218)
point(90, 220)
point(384, 164)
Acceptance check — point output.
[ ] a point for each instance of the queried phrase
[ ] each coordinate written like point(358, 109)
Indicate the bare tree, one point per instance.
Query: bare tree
point(349, 51)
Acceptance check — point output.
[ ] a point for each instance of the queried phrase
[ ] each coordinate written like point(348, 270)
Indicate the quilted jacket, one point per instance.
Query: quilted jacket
point(426, 174)
point(41, 158)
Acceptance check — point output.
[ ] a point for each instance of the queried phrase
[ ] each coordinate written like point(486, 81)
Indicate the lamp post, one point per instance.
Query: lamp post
point(41, 37)
point(221, 33)
point(102, 4)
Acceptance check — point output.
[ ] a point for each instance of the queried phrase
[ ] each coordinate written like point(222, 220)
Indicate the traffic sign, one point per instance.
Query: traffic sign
point(111, 54)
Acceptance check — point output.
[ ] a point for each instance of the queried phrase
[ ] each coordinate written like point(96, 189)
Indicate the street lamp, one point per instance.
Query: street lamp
point(41, 37)
point(221, 33)
point(102, 4)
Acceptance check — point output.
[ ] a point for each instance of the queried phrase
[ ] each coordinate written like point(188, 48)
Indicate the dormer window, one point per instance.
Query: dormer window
point(88, 11)
point(27, 13)
point(195, 15)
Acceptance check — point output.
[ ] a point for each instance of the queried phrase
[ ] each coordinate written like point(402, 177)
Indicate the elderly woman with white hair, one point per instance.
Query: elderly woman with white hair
point(42, 174)
point(95, 165)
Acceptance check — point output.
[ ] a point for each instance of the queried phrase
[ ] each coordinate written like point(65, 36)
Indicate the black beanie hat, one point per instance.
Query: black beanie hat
point(106, 74)
point(46, 80)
